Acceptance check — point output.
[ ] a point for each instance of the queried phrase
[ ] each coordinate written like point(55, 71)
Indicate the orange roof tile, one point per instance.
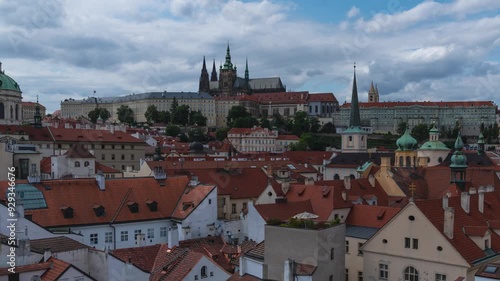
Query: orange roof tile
point(370, 216)
point(70, 193)
point(26, 268)
point(175, 264)
point(57, 268)
point(321, 97)
point(78, 150)
point(97, 136)
point(190, 199)
point(142, 257)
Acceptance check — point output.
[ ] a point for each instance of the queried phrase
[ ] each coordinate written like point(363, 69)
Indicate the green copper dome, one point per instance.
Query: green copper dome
point(480, 139)
point(7, 83)
point(458, 160)
point(406, 141)
point(459, 144)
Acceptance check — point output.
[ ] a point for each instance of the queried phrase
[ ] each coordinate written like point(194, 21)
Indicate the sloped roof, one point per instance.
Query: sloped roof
point(359, 158)
point(87, 135)
point(283, 211)
point(321, 97)
point(56, 244)
point(118, 193)
point(310, 157)
point(26, 268)
point(475, 220)
point(257, 252)
point(370, 216)
point(57, 268)
point(142, 257)
point(78, 150)
point(190, 199)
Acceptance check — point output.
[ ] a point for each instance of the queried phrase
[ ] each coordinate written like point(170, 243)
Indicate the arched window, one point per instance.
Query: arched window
point(440, 159)
point(77, 163)
point(410, 274)
point(203, 271)
point(17, 111)
point(401, 162)
point(336, 177)
point(86, 164)
point(352, 176)
point(408, 161)
point(2, 111)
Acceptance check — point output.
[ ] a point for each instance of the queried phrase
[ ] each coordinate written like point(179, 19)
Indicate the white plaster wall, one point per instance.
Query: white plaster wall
point(72, 273)
point(252, 267)
point(255, 225)
point(120, 271)
point(25, 276)
point(204, 215)
point(34, 230)
point(330, 172)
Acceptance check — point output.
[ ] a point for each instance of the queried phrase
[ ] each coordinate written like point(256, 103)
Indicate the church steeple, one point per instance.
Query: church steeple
point(247, 77)
point(204, 82)
point(228, 64)
point(38, 115)
point(354, 120)
point(213, 76)
point(373, 93)
point(458, 164)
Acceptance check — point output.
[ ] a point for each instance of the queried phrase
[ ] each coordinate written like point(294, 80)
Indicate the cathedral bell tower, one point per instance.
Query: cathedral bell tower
point(227, 76)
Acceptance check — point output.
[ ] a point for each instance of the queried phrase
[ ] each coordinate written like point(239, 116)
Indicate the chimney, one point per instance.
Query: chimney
point(371, 179)
point(99, 177)
point(480, 196)
point(445, 201)
point(449, 217)
point(285, 186)
point(269, 170)
point(347, 182)
point(465, 202)
point(139, 240)
point(472, 190)
point(289, 270)
point(66, 126)
point(309, 181)
point(47, 254)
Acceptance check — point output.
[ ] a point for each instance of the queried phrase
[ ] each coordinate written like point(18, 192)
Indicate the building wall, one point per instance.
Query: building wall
point(252, 267)
point(72, 274)
point(353, 258)
point(255, 225)
point(330, 172)
point(211, 269)
point(24, 276)
point(29, 112)
point(427, 259)
point(120, 271)
point(305, 246)
point(202, 220)
point(11, 99)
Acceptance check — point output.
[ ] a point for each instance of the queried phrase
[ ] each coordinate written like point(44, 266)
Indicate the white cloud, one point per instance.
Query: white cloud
point(354, 11)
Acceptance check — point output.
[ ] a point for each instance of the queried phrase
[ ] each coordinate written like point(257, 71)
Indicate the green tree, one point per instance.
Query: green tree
point(221, 134)
point(197, 134)
point(420, 132)
point(237, 111)
point(99, 111)
point(265, 123)
point(125, 114)
point(183, 138)
point(164, 116)
point(401, 128)
point(314, 125)
point(174, 105)
point(245, 122)
point(328, 128)
point(152, 114)
point(172, 130)
point(279, 122)
point(197, 118)
point(181, 115)
point(300, 123)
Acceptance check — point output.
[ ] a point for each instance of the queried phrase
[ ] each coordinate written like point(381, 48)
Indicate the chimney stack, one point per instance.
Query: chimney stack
point(371, 179)
point(445, 201)
point(347, 182)
point(288, 273)
point(465, 202)
point(101, 182)
point(449, 217)
point(480, 195)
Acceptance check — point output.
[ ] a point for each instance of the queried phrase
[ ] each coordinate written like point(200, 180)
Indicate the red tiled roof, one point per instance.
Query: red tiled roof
point(78, 150)
point(98, 136)
point(247, 131)
point(46, 165)
point(370, 216)
point(258, 251)
point(70, 193)
point(321, 97)
point(247, 277)
point(105, 169)
point(283, 211)
point(26, 268)
point(288, 137)
point(304, 269)
point(56, 244)
point(190, 199)
point(57, 268)
point(282, 98)
point(211, 247)
point(175, 264)
point(424, 103)
point(142, 257)
point(480, 231)
point(469, 250)
point(310, 157)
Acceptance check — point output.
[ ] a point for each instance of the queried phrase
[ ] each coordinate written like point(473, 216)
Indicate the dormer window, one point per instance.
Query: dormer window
point(152, 205)
point(67, 212)
point(77, 164)
point(99, 210)
point(187, 205)
point(133, 207)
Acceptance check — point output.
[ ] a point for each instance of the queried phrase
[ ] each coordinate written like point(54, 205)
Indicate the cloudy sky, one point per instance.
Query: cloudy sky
point(413, 50)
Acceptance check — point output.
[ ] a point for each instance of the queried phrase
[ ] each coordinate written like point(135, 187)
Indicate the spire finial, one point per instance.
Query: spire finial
point(37, 99)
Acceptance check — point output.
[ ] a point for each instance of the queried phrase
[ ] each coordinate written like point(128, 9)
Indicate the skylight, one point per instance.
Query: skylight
point(490, 269)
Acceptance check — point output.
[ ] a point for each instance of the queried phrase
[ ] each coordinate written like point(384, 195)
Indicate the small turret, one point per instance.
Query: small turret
point(480, 144)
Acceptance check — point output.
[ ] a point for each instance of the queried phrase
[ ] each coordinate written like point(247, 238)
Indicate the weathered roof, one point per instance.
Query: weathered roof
point(56, 244)
point(361, 232)
point(142, 257)
point(257, 252)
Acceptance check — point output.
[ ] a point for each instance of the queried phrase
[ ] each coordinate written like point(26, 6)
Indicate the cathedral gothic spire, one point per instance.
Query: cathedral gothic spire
point(213, 76)
point(204, 82)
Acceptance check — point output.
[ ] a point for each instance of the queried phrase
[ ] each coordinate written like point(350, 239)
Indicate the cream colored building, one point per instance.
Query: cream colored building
point(29, 111)
point(24, 158)
point(259, 139)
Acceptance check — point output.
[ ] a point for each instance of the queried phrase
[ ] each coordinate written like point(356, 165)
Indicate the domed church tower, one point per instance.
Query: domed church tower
point(458, 164)
point(10, 100)
point(406, 154)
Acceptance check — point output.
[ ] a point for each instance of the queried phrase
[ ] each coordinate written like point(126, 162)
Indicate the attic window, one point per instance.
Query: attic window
point(152, 205)
point(133, 207)
point(187, 205)
point(67, 212)
point(99, 210)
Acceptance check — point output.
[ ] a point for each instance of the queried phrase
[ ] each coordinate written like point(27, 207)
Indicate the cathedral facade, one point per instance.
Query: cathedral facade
point(227, 83)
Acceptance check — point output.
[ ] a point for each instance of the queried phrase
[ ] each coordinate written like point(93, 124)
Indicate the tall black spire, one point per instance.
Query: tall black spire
point(204, 82)
point(354, 120)
point(38, 116)
point(213, 77)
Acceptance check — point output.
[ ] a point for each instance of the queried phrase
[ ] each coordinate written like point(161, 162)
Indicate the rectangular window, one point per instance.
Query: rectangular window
point(163, 231)
point(244, 205)
point(79, 278)
point(103, 157)
point(486, 244)
point(440, 277)
point(383, 271)
point(123, 156)
point(347, 274)
point(360, 275)
point(112, 157)
point(132, 156)
point(108, 237)
point(332, 253)
point(407, 243)
point(415, 243)
point(360, 253)
point(136, 233)
point(330, 278)
point(103, 146)
point(94, 239)
point(151, 233)
point(347, 247)
point(233, 208)
point(124, 236)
